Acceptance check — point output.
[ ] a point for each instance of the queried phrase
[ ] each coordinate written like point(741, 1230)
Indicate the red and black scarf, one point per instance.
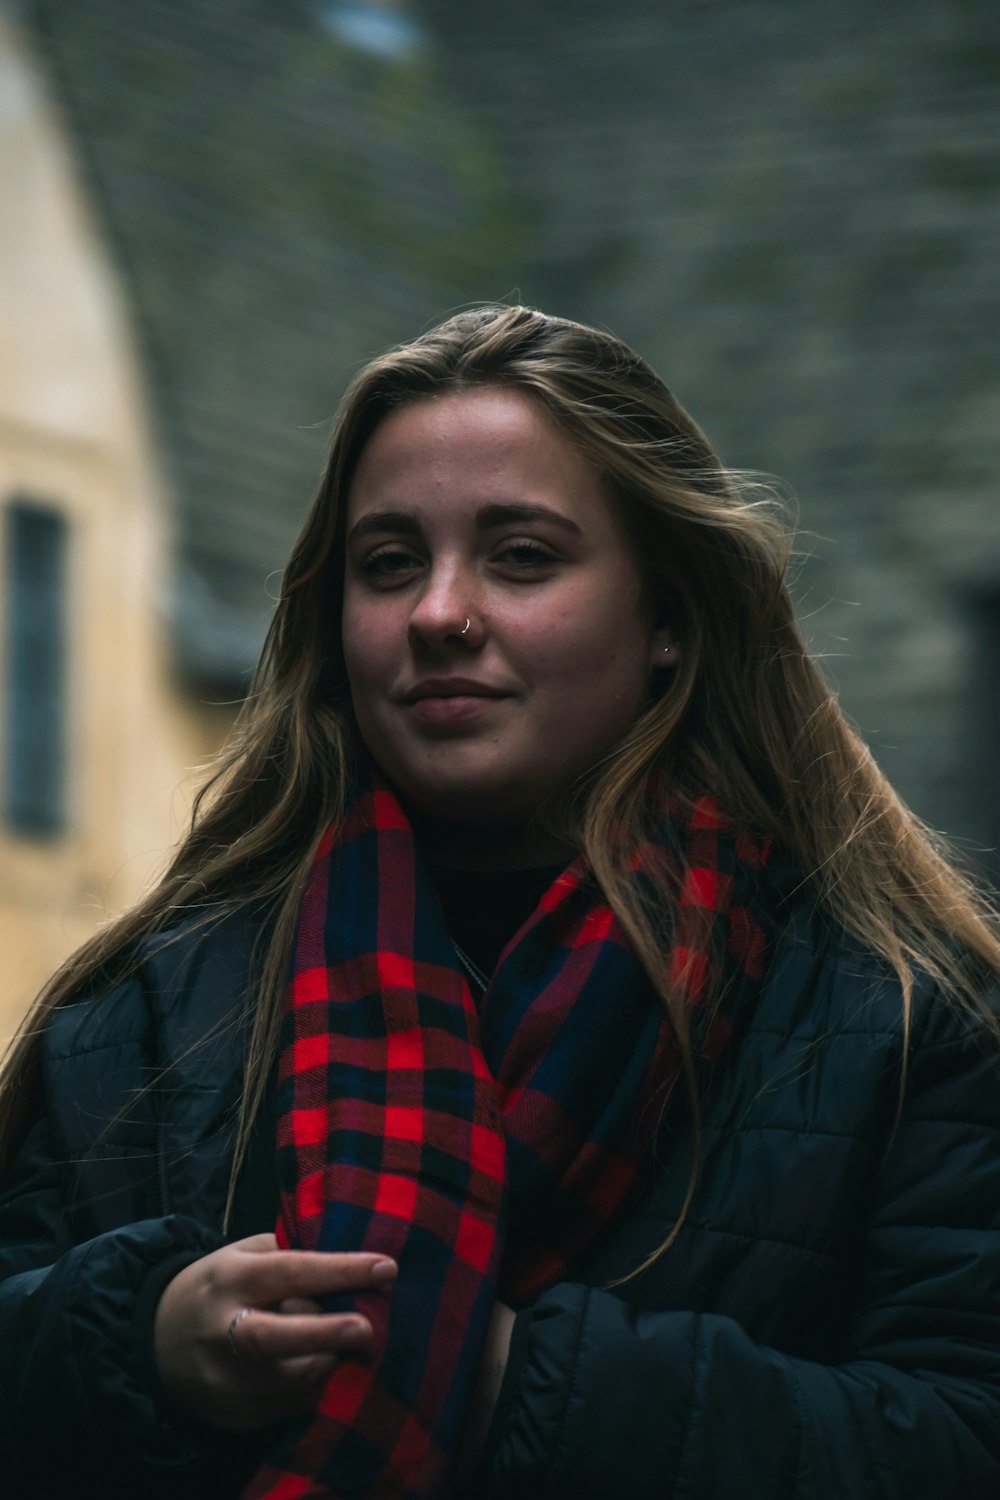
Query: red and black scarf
point(485, 1151)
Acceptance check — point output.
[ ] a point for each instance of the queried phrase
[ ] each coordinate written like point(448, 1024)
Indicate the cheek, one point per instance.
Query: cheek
point(353, 660)
point(593, 643)
point(365, 643)
point(597, 688)
point(349, 632)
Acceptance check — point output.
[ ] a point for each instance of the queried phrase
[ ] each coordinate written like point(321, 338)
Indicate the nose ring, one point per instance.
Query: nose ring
point(465, 627)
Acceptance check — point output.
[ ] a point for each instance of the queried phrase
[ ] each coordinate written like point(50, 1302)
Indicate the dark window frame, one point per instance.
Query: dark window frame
point(36, 562)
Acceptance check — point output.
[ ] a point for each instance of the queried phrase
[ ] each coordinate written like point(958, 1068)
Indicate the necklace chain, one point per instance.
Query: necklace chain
point(473, 970)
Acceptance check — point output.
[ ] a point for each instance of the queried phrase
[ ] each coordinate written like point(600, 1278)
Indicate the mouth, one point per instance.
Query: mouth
point(440, 688)
point(447, 705)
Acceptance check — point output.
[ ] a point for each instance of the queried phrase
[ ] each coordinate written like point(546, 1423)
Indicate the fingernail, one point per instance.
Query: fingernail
point(383, 1270)
point(355, 1328)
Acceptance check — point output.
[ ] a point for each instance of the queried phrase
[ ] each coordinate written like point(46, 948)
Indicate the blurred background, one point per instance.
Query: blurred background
point(212, 214)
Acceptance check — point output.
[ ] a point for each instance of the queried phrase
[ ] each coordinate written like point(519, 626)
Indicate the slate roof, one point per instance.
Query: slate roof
point(792, 209)
point(808, 193)
point(283, 202)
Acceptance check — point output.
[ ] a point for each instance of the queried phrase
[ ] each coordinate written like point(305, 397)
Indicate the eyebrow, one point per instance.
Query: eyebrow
point(488, 517)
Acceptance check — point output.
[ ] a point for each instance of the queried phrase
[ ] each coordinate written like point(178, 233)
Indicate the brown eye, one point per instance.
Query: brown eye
point(388, 561)
point(525, 555)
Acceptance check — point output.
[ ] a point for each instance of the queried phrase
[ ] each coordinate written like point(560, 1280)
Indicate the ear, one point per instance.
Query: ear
point(664, 650)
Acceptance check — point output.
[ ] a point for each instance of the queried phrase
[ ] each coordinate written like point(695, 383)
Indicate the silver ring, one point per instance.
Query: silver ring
point(234, 1323)
point(466, 626)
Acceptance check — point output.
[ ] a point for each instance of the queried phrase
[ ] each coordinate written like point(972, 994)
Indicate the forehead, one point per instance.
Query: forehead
point(488, 444)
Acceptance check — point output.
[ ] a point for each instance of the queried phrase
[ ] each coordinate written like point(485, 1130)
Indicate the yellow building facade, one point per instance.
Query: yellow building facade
point(78, 465)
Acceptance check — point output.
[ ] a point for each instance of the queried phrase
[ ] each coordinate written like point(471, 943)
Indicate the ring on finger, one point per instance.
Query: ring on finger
point(234, 1323)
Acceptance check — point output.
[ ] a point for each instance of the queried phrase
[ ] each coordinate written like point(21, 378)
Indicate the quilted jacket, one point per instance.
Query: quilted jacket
point(826, 1325)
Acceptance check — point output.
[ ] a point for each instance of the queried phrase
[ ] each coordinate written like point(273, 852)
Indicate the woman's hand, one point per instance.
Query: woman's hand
point(271, 1364)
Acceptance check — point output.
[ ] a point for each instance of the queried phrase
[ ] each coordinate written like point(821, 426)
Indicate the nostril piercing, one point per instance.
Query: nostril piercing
point(465, 627)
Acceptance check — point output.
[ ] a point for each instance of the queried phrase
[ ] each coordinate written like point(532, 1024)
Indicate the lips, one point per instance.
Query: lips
point(451, 687)
point(451, 705)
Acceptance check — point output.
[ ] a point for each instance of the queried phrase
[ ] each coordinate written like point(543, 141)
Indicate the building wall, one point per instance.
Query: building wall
point(74, 435)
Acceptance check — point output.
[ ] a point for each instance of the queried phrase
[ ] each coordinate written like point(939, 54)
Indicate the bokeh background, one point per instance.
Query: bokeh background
point(212, 214)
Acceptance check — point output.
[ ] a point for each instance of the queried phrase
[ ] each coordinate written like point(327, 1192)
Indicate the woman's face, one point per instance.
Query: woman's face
point(495, 634)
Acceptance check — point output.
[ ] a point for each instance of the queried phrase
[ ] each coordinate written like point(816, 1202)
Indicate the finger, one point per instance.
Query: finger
point(269, 1336)
point(271, 1278)
point(256, 1244)
point(305, 1371)
point(299, 1305)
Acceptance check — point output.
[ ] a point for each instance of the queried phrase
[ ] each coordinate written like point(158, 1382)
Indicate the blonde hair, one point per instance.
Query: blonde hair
point(747, 714)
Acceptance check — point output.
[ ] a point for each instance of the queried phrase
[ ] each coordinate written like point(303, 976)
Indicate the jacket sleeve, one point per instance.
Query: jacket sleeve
point(611, 1399)
point(74, 1390)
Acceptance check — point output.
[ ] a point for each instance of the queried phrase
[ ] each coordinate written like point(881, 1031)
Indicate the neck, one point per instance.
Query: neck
point(488, 847)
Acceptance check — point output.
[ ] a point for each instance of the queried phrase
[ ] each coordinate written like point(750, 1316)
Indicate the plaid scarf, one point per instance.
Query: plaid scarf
point(484, 1151)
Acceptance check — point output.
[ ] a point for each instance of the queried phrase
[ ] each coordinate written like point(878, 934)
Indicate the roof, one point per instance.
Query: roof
point(791, 210)
point(286, 194)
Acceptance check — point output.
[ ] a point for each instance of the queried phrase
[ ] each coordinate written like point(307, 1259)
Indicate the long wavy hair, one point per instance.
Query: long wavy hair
point(747, 715)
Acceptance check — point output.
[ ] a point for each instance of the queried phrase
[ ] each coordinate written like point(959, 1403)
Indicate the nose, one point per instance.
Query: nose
point(447, 610)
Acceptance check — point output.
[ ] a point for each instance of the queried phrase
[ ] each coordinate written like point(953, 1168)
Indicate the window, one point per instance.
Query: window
point(35, 678)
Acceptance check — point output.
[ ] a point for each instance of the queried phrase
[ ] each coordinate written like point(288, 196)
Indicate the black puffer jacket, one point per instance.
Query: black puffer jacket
point(826, 1327)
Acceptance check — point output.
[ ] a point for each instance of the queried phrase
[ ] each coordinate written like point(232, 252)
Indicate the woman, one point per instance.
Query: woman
point(629, 1049)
